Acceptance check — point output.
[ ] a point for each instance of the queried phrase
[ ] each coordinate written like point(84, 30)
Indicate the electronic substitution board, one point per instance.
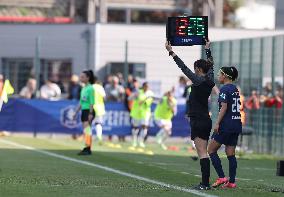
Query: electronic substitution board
point(187, 30)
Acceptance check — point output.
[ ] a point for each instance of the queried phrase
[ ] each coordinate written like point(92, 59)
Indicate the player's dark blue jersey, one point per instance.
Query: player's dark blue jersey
point(231, 121)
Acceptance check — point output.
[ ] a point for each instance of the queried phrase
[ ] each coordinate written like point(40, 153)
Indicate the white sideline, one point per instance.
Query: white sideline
point(198, 193)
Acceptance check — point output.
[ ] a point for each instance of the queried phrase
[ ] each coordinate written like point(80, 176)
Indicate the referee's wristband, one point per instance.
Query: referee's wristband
point(171, 53)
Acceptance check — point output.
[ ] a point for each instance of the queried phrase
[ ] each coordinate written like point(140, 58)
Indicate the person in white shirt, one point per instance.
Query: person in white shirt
point(50, 91)
point(29, 90)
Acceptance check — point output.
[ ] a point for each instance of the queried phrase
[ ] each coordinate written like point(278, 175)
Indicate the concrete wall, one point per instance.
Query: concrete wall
point(56, 42)
point(146, 44)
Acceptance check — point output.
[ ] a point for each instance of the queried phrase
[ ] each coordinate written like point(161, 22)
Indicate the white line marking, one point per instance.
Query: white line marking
point(140, 178)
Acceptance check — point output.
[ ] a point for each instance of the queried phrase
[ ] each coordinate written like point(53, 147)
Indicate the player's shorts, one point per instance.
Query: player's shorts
point(85, 115)
point(145, 121)
point(164, 123)
point(99, 119)
point(135, 122)
point(228, 139)
point(200, 127)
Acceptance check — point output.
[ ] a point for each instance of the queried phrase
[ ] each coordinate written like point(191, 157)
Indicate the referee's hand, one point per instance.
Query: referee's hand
point(207, 44)
point(216, 128)
point(168, 46)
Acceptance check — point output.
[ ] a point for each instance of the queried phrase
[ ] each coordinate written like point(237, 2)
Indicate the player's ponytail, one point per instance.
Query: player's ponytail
point(230, 72)
point(90, 75)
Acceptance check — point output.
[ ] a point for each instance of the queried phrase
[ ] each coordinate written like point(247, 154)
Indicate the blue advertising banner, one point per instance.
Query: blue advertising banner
point(42, 116)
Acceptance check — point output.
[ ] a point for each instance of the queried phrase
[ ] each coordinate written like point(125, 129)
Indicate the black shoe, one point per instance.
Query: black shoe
point(194, 158)
point(85, 151)
point(201, 187)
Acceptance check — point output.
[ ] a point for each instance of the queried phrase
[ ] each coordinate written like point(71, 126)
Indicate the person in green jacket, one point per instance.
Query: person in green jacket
point(87, 108)
point(163, 114)
point(141, 114)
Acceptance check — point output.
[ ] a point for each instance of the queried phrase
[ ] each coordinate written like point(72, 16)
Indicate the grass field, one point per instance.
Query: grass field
point(52, 168)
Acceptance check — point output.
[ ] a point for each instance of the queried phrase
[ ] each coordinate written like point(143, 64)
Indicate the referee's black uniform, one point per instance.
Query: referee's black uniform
point(200, 121)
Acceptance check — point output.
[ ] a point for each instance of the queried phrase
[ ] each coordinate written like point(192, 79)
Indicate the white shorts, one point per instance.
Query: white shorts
point(135, 122)
point(164, 123)
point(138, 123)
point(99, 120)
point(145, 122)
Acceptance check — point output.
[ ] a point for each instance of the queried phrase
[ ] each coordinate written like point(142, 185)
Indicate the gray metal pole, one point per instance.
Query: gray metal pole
point(88, 49)
point(37, 71)
point(241, 62)
point(273, 64)
point(126, 66)
point(37, 63)
point(250, 65)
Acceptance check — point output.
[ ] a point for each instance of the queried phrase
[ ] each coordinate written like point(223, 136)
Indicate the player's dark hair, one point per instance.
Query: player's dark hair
point(91, 76)
point(204, 65)
point(144, 84)
point(230, 72)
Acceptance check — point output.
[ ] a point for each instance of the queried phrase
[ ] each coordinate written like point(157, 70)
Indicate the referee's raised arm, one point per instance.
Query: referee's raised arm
point(191, 75)
point(210, 73)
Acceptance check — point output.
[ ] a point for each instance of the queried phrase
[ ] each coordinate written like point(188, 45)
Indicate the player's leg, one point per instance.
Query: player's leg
point(144, 131)
point(201, 148)
point(87, 131)
point(99, 128)
point(230, 152)
point(200, 132)
point(135, 130)
point(160, 132)
point(167, 132)
point(88, 138)
point(216, 162)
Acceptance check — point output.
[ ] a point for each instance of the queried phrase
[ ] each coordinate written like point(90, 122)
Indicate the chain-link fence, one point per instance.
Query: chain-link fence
point(260, 63)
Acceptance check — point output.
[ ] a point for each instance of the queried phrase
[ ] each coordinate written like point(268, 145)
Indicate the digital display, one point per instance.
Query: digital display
point(187, 30)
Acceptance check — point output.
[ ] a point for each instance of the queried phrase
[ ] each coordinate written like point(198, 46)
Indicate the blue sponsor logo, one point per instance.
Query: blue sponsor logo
point(67, 117)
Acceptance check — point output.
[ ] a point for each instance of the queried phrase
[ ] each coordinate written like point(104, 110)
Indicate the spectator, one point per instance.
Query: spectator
point(56, 79)
point(74, 88)
point(29, 90)
point(180, 90)
point(121, 79)
point(114, 91)
point(253, 102)
point(128, 90)
point(107, 81)
point(1, 83)
point(253, 105)
point(275, 100)
point(50, 91)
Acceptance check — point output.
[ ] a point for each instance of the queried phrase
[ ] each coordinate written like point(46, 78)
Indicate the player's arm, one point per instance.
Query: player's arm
point(210, 73)
point(76, 111)
point(221, 115)
point(92, 102)
point(191, 75)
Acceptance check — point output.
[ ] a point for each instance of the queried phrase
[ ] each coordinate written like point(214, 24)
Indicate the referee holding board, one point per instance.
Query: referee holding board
point(200, 121)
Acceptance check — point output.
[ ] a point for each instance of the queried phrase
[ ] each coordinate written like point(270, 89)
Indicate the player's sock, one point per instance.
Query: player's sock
point(232, 168)
point(216, 162)
point(99, 130)
point(88, 136)
point(142, 136)
point(165, 135)
point(159, 136)
point(205, 170)
point(135, 132)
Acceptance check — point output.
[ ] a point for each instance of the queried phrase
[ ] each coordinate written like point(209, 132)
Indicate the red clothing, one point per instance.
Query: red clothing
point(277, 102)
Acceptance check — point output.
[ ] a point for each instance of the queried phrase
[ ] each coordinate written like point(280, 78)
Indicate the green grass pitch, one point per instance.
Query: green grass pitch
point(26, 172)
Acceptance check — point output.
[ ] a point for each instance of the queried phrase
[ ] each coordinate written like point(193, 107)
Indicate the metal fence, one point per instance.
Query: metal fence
point(260, 63)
